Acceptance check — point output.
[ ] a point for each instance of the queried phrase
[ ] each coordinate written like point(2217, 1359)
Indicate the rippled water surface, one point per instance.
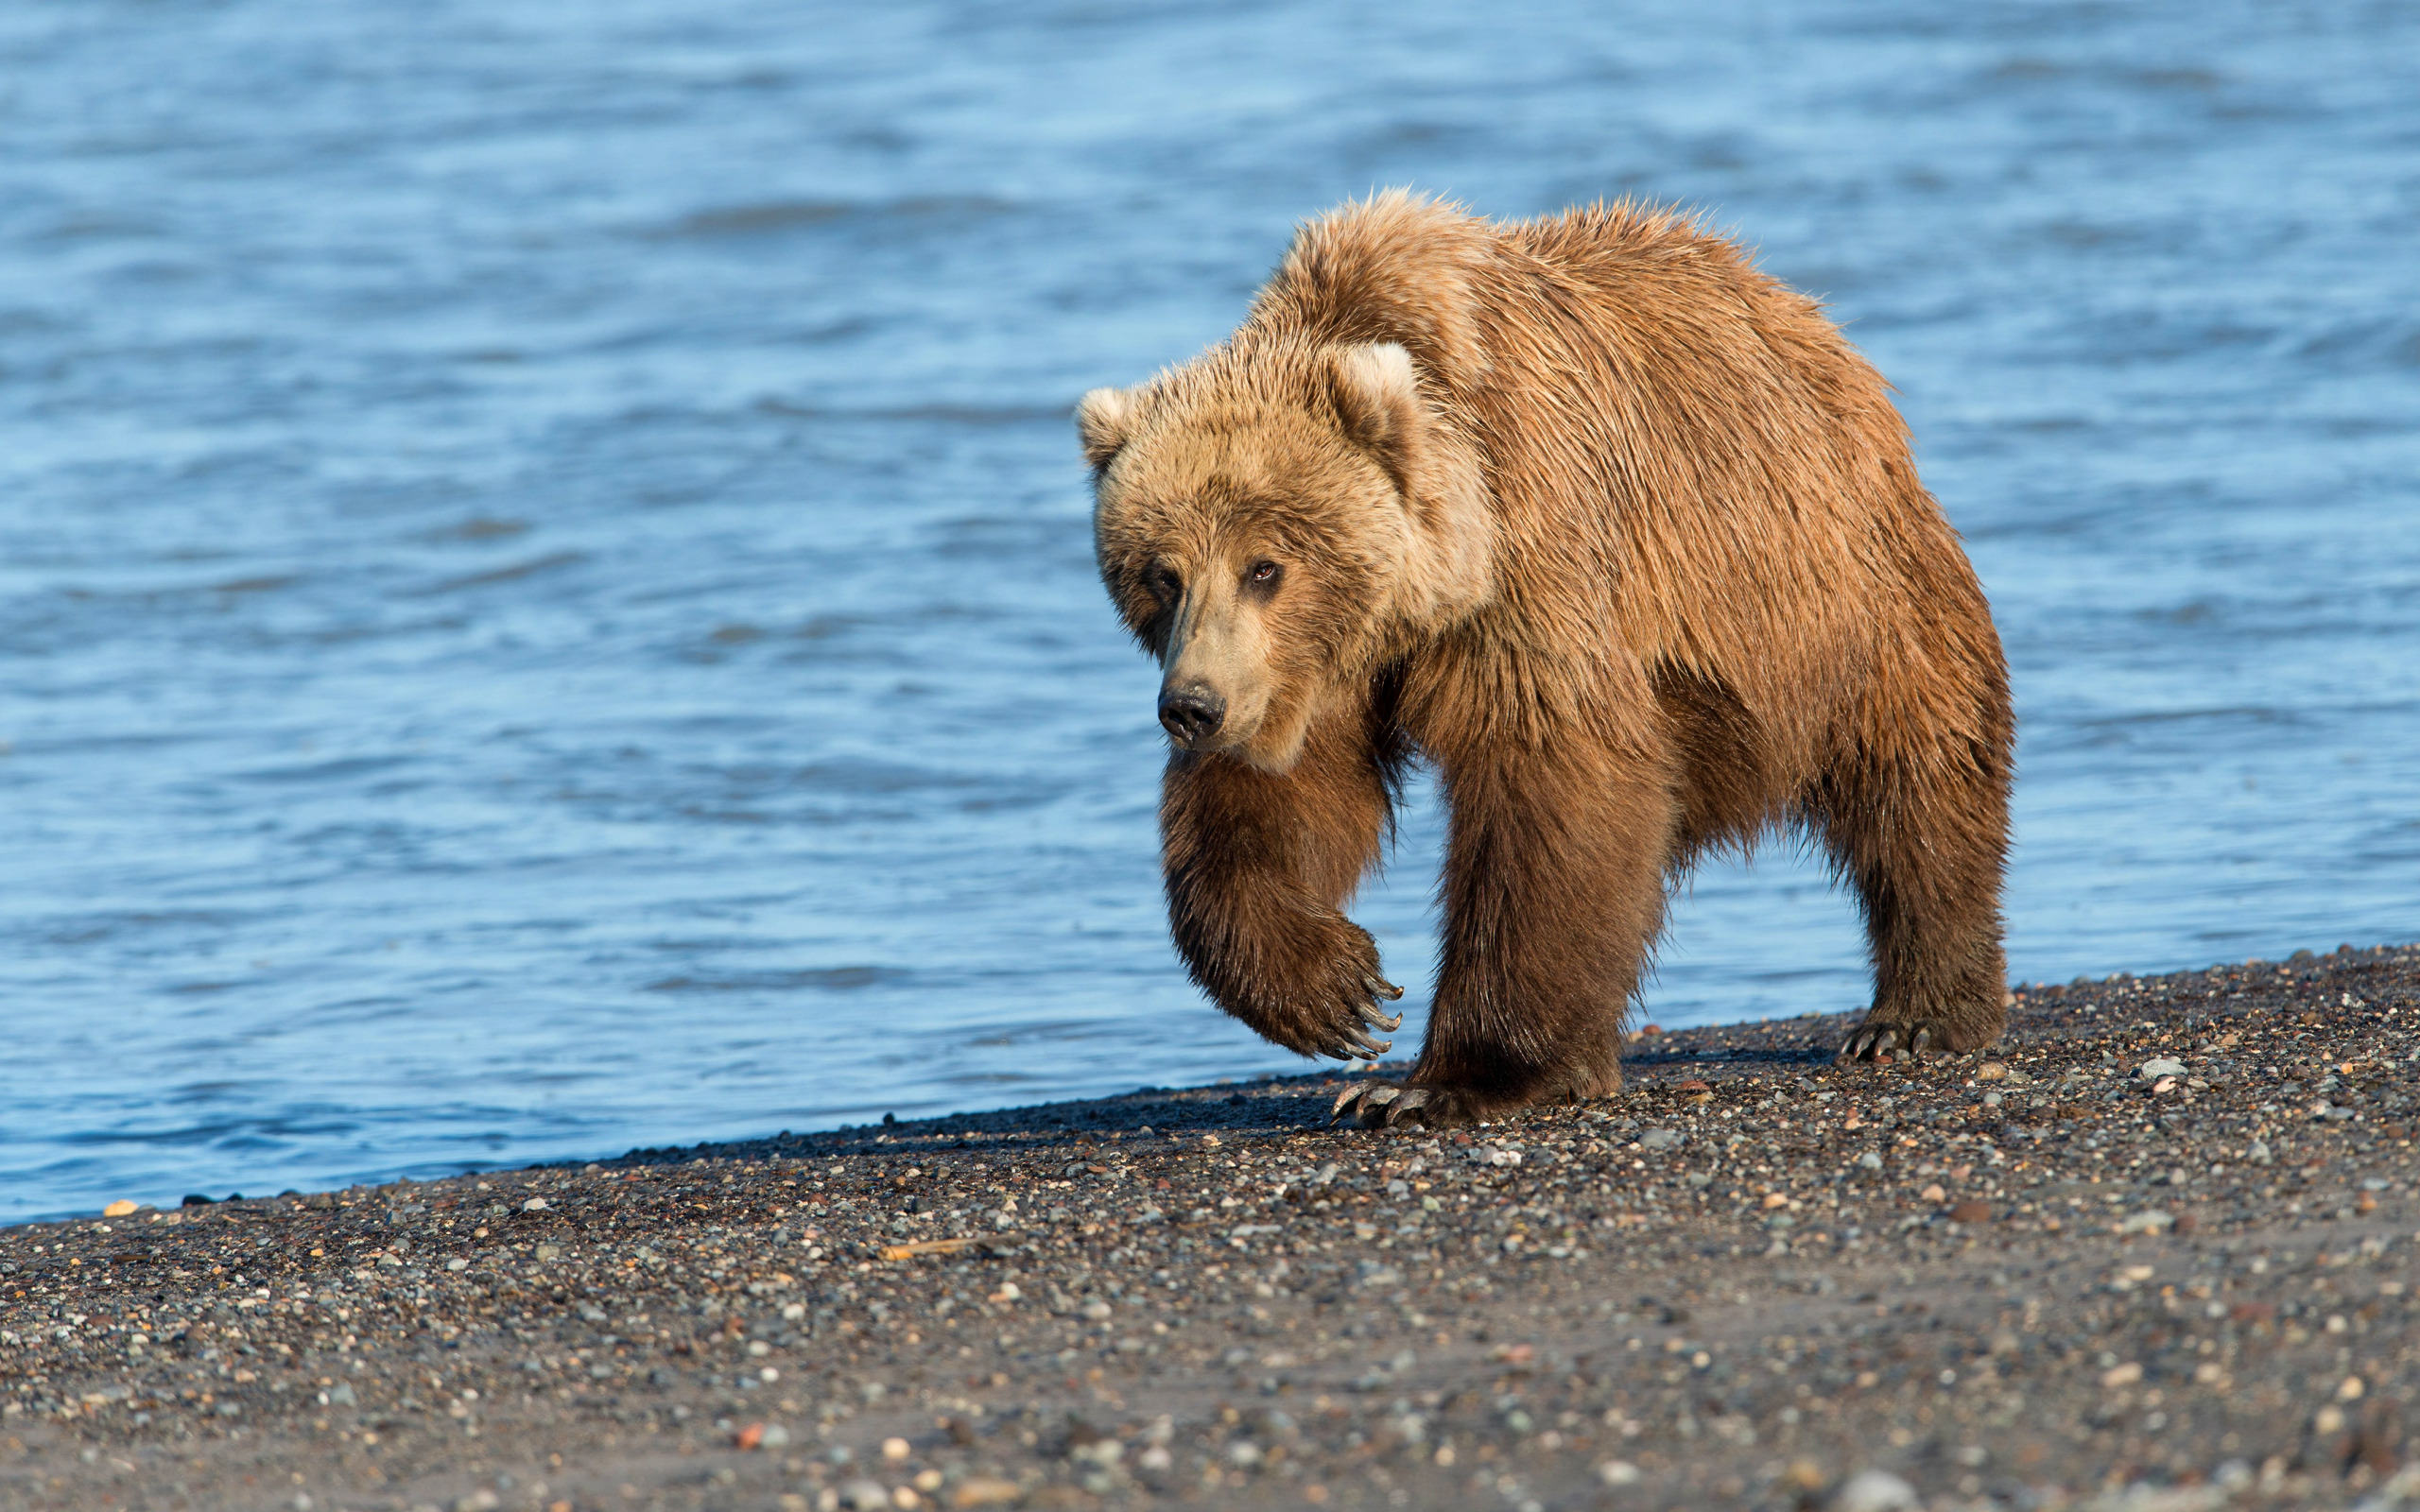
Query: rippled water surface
point(544, 591)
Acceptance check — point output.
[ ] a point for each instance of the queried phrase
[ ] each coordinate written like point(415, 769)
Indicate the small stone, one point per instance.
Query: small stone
point(896, 1448)
point(985, 1490)
point(1991, 1070)
point(2351, 1390)
point(2154, 1070)
point(1932, 1192)
point(1660, 1138)
point(1971, 1212)
point(1875, 1491)
point(1103, 1452)
point(547, 1252)
point(122, 1208)
point(865, 1496)
point(1618, 1472)
point(2123, 1375)
point(1869, 1160)
point(458, 1263)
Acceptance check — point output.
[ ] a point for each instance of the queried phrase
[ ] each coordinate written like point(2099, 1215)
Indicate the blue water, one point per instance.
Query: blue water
point(544, 594)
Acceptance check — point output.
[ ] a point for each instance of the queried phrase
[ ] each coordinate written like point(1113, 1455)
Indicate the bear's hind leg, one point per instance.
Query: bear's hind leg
point(1924, 838)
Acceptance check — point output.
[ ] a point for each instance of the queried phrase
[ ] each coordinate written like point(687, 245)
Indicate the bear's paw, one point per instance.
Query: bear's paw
point(1386, 1104)
point(1879, 1039)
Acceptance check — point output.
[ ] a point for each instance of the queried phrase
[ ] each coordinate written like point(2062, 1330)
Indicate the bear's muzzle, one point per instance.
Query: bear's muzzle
point(1191, 713)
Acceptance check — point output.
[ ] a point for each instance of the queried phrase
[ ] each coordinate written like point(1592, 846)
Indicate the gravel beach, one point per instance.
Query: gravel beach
point(2154, 1251)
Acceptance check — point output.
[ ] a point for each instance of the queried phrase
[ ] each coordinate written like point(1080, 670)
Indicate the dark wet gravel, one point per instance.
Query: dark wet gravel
point(2036, 1279)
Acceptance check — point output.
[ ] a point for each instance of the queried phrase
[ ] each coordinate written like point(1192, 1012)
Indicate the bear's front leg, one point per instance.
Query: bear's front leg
point(1554, 892)
point(1258, 867)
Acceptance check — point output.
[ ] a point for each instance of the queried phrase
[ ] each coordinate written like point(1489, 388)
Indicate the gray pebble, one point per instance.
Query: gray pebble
point(1875, 1491)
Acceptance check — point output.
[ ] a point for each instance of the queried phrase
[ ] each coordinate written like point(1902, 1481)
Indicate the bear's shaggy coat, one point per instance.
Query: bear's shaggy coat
point(1625, 539)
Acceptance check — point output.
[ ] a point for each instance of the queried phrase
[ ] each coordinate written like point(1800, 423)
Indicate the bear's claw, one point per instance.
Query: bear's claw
point(1356, 1042)
point(1385, 1105)
point(1384, 1023)
point(1358, 1045)
point(1918, 1037)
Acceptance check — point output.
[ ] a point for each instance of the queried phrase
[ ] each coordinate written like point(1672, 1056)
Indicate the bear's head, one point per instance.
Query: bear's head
point(1274, 525)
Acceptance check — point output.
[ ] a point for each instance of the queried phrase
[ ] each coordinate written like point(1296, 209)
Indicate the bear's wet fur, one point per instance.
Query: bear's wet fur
point(1621, 536)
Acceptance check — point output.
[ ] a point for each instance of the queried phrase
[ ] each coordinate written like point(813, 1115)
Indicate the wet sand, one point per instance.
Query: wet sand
point(2045, 1277)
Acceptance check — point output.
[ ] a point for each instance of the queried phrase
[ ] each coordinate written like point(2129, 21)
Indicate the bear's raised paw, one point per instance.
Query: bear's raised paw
point(1339, 1016)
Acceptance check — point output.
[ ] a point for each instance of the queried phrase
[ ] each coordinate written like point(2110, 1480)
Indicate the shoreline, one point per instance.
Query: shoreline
point(2057, 1274)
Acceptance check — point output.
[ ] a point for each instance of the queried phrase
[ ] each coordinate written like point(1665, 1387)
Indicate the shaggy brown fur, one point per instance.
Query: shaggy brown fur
point(1623, 537)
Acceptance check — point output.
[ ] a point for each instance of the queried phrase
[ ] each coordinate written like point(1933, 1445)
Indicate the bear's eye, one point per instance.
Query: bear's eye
point(1163, 583)
point(1263, 574)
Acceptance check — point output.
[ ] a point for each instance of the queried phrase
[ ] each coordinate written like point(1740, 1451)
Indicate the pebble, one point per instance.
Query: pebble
point(1873, 1491)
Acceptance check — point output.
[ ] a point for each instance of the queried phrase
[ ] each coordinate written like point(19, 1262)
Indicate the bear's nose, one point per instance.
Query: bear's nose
point(1192, 714)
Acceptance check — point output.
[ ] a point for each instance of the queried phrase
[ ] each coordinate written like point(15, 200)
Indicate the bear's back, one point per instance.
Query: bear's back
point(1693, 473)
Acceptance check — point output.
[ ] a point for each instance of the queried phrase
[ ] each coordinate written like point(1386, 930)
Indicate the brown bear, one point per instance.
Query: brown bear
point(1621, 536)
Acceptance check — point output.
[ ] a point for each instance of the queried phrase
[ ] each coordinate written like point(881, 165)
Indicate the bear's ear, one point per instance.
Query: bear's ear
point(1104, 419)
point(1378, 400)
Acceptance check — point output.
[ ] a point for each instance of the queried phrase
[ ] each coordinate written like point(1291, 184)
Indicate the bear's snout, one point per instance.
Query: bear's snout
point(1192, 714)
